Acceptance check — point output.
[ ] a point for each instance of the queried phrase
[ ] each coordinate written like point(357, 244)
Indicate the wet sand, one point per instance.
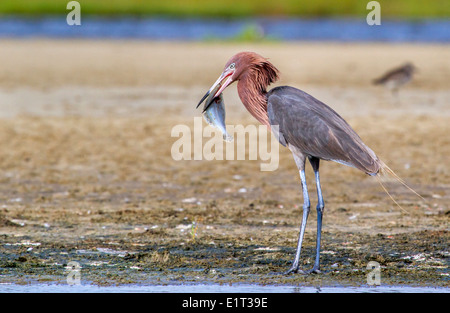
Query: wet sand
point(87, 174)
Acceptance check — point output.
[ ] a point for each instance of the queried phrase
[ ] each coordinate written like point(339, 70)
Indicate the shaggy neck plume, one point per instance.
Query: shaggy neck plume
point(252, 89)
point(255, 101)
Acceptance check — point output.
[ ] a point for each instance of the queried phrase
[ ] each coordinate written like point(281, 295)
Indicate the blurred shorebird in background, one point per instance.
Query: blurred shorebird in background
point(396, 77)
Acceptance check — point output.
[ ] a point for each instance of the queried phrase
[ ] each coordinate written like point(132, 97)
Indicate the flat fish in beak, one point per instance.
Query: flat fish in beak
point(214, 113)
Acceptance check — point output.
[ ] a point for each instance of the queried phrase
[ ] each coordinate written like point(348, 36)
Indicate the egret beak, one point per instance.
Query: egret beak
point(211, 98)
point(227, 74)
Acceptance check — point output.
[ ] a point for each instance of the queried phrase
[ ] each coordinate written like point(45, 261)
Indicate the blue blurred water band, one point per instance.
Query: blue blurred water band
point(431, 30)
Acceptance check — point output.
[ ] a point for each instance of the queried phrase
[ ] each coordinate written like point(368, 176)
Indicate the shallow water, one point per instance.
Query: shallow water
point(211, 288)
point(158, 28)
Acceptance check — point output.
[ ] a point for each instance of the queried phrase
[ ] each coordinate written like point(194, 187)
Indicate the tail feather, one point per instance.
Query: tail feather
point(390, 196)
point(386, 169)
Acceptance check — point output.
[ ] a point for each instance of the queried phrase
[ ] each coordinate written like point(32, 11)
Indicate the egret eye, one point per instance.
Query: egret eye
point(232, 65)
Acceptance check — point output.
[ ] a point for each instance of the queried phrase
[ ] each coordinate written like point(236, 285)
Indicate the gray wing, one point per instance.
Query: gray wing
point(317, 130)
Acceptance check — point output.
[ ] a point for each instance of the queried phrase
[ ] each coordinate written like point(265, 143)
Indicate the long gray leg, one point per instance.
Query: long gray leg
point(320, 207)
point(300, 161)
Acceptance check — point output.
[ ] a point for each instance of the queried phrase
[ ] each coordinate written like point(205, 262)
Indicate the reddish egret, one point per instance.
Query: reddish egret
point(308, 127)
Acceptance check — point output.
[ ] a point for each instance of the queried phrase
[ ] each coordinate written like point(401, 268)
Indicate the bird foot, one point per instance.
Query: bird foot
point(290, 271)
point(299, 271)
point(314, 271)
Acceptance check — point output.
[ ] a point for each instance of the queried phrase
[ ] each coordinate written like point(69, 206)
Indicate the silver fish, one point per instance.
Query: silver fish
point(214, 113)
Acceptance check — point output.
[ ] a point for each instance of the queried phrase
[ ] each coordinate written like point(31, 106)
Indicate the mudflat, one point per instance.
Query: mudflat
point(87, 174)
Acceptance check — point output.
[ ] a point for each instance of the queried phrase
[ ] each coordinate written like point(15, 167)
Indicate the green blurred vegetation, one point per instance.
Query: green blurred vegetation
point(233, 8)
point(249, 33)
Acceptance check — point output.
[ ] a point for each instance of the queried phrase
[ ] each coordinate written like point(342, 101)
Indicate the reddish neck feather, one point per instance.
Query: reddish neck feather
point(252, 88)
point(255, 101)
